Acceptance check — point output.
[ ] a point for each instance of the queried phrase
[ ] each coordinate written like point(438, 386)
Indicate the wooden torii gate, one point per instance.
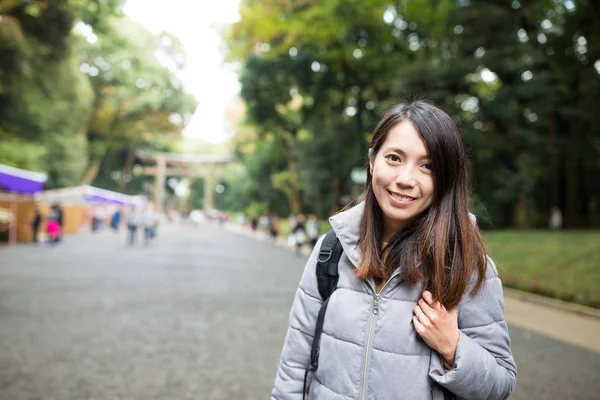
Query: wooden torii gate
point(207, 167)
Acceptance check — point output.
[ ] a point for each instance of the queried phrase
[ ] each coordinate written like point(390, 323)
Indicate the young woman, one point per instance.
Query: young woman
point(418, 312)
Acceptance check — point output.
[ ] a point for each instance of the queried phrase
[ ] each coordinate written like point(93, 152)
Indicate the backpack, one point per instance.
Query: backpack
point(327, 278)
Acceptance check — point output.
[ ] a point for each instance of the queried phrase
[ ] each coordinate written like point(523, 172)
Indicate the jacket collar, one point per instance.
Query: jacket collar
point(346, 225)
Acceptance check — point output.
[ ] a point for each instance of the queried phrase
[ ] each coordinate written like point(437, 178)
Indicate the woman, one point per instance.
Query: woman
point(418, 310)
point(54, 231)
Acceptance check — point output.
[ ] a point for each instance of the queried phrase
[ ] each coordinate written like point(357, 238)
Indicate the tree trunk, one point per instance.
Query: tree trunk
point(295, 205)
point(92, 171)
point(555, 162)
point(94, 168)
point(126, 178)
point(520, 211)
point(293, 193)
point(571, 192)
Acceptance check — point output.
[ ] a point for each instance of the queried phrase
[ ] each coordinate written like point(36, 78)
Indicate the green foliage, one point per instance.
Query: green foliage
point(197, 195)
point(137, 97)
point(251, 180)
point(518, 77)
point(46, 111)
point(238, 188)
point(66, 159)
point(315, 84)
point(23, 154)
point(80, 85)
point(256, 209)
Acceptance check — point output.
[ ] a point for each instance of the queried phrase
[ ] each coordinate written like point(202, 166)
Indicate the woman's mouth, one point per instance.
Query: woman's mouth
point(400, 199)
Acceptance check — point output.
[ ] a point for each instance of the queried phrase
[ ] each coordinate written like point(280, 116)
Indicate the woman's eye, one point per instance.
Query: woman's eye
point(428, 166)
point(393, 157)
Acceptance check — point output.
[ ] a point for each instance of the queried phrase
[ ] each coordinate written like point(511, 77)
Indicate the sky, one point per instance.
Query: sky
point(212, 83)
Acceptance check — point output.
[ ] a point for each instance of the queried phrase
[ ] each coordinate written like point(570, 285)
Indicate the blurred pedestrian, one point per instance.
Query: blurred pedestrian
point(299, 234)
point(555, 221)
point(57, 215)
point(312, 229)
point(134, 220)
point(292, 222)
point(419, 313)
point(98, 218)
point(115, 220)
point(35, 224)
point(273, 226)
point(54, 231)
point(150, 223)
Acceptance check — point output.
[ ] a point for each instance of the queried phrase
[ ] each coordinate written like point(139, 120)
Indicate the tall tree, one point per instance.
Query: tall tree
point(80, 83)
point(136, 95)
point(518, 77)
point(43, 95)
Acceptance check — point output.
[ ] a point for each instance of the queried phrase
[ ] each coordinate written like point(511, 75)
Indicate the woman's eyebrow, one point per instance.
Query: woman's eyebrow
point(402, 153)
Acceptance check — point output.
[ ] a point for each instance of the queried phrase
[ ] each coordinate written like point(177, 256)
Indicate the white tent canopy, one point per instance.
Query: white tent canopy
point(86, 194)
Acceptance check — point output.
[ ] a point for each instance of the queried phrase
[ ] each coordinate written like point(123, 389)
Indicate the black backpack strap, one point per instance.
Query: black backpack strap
point(327, 264)
point(327, 278)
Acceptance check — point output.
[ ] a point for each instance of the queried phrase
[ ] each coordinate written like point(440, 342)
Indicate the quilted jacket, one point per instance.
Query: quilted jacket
point(369, 347)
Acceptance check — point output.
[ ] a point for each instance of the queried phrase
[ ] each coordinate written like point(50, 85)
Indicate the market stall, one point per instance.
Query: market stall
point(17, 188)
point(81, 203)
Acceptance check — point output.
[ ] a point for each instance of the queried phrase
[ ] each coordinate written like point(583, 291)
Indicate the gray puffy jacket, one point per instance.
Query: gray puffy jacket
point(369, 347)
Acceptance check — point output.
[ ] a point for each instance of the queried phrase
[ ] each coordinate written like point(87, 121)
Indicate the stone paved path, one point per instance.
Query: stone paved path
point(200, 314)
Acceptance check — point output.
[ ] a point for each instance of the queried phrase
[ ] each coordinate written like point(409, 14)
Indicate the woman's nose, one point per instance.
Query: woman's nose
point(405, 176)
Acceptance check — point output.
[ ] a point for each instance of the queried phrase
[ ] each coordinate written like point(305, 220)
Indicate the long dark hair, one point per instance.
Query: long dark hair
point(441, 246)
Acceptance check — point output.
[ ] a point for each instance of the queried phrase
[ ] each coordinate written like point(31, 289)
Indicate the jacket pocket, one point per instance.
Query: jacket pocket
point(438, 392)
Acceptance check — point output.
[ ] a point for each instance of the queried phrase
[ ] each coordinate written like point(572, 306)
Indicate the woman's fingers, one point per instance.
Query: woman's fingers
point(422, 318)
point(418, 310)
point(425, 307)
point(428, 297)
point(419, 327)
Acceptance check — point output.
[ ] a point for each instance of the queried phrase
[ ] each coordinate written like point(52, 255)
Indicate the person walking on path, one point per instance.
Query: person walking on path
point(418, 312)
point(273, 226)
point(56, 214)
point(54, 231)
point(150, 222)
point(299, 233)
point(115, 220)
point(292, 222)
point(134, 220)
point(312, 229)
point(35, 225)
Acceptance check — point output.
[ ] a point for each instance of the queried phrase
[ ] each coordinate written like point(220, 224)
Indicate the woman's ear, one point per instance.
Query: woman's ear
point(371, 160)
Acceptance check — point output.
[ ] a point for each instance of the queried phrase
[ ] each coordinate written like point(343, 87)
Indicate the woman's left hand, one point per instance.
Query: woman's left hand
point(437, 326)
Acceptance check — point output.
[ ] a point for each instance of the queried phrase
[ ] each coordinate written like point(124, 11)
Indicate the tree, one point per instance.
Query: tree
point(137, 97)
point(518, 77)
point(299, 79)
point(81, 86)
point(47, 131)
point(44, 98)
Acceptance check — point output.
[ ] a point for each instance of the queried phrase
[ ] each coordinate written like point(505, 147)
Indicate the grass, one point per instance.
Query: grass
point(564, 265)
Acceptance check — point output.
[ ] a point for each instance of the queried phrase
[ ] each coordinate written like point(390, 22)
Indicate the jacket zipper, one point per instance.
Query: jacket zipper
point(368, 349)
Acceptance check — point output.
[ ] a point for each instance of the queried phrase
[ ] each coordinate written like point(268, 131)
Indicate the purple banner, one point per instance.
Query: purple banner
point(102, 199)
point(19, 184)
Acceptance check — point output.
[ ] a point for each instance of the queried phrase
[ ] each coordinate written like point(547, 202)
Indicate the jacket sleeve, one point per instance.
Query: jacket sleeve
point(484, 367)
point(295, 355)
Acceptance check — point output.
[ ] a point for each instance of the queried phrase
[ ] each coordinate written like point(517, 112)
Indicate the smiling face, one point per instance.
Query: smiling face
point(402, 178)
